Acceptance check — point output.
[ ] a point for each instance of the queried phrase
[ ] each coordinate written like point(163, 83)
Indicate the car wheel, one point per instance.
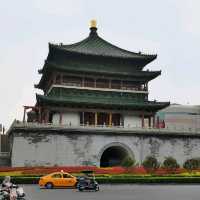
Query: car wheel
point(80, 189)
point(49, 186)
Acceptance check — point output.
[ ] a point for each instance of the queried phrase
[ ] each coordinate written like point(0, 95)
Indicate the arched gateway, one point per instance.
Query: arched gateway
point(113, 154)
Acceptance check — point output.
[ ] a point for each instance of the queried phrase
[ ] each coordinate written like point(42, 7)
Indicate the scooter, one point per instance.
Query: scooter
point(13, 192)
point(87, 182)
point(5, 194)
point(20, 193)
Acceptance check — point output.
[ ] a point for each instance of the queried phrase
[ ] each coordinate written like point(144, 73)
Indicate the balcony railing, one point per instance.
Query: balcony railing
point(175, 129)
point(4, 154)
point(102, 85)
point(78, 86)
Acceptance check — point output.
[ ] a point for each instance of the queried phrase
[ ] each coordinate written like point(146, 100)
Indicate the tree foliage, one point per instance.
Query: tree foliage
point(150, 163)
point(192, 164)
point(128, 162)
point(170, 164)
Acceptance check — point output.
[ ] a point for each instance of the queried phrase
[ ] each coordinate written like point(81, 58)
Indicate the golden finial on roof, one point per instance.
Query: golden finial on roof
point(93, 23)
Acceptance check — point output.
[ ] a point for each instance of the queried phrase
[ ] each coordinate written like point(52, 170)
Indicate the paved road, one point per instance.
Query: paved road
point(118, 192)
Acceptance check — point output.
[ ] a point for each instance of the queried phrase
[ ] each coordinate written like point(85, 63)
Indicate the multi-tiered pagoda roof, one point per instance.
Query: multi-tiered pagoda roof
point(92, 57)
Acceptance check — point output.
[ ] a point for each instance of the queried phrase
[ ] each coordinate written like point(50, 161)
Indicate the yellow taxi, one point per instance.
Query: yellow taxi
point(58, 179)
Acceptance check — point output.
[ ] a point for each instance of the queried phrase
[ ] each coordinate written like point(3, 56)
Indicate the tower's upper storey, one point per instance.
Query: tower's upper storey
point(94, 45)
point(94, 56)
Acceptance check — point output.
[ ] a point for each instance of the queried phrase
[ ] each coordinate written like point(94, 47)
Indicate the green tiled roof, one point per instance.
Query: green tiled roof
point(101, 69)
point(95, 55)
point(95, 45)
point(87, 93)
point(98, 70)
point(68, 97)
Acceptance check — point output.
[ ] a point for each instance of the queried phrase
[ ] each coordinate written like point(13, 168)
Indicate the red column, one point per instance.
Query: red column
point(39, 115)
point(61, 79)
point(121, 84)
point(110, 83)
point(158, 122)
point(95, 83)
point(54, 79)
point(46, 116)
point(83, 82)
point(60, 121)
point(154, 121)
point(149, 121)
point(96, 119)
point(83, 118)
point(110, 119)
point(142, 120)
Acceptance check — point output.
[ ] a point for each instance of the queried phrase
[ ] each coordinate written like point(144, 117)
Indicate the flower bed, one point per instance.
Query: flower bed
point(38, 171)
point(115, 170)
point(30, 175)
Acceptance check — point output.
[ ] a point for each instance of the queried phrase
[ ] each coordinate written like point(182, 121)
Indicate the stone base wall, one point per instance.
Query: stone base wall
point(41, 148)
point(4, 161)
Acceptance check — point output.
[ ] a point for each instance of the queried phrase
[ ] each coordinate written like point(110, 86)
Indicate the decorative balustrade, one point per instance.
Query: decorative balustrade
point(108, 127)
point(4, 154)
point(101, 86)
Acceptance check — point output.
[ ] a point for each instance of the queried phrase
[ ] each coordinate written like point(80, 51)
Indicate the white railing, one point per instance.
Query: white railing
point(133, 90)
point(107, 127)
point(4, 154)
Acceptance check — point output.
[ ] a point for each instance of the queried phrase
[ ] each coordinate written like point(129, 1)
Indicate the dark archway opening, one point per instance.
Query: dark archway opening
point(113, 156)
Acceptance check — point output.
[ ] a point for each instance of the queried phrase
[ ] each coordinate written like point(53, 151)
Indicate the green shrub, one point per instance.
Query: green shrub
point(128, 162)
point(192, 164)
point(120, 179)
point(150, 164)
point(23, 180)
point(170, 164)
point(152, 180)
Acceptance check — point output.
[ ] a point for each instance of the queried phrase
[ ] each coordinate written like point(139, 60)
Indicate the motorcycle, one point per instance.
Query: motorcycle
point(13, 192)
point(4, 194)
point(87, 182)
point(20, 193)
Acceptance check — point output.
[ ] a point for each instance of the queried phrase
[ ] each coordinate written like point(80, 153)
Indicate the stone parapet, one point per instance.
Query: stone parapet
point(35, 127)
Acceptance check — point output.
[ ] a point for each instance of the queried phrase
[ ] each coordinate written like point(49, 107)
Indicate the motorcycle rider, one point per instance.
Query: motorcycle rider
point(7, 185)
point(6, 182)
point(87, 179)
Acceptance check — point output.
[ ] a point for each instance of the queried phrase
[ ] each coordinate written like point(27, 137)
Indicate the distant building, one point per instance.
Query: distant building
point(4, 147)
point(181, 117)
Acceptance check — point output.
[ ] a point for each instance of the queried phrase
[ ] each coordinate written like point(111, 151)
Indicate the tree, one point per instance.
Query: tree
point(170, 164)
point(150, 164)
point(128, 162)
point(192, 164)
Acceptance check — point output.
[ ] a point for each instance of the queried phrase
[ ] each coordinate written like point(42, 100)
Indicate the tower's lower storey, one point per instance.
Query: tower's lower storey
point(36, 146)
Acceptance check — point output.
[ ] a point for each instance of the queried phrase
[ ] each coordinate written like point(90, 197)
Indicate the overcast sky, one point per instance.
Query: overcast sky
point(169, 28)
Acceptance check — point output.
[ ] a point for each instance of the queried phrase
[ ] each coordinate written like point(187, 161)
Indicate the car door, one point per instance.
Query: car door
point(68, 180)
point(57, 179)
